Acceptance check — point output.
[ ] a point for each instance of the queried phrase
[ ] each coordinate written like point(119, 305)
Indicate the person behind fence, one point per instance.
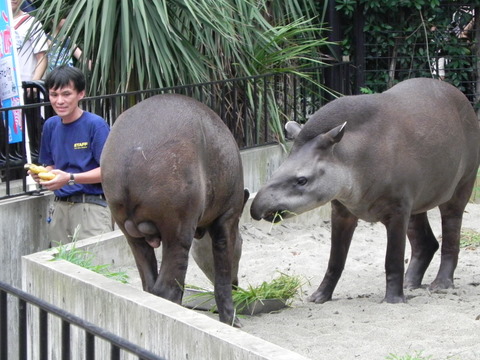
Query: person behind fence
point(62, 50)
point(71, 145)
point(31, 43)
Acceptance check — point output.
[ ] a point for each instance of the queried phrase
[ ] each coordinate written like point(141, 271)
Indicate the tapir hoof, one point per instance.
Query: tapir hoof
point(235, 322)
point(441, 284)
point(412, 285)
point(397, 299)
point(319, 297)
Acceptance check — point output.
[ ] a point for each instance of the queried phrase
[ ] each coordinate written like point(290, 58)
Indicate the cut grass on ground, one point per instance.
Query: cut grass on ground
point(469, 238)
point(284, 288)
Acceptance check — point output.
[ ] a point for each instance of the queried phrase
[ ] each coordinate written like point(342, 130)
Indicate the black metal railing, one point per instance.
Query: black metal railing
point(254, 108)
point(118, 346)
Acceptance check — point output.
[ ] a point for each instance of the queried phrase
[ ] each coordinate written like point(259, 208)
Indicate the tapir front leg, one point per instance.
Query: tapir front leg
point(396, 225)
point(223, 234)
point(343, 226)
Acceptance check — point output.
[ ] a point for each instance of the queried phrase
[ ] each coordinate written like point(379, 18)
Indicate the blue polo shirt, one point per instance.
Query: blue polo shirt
point(74, 148)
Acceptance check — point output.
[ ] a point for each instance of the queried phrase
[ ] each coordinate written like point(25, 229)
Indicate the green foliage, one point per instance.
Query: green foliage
point(365, 90)
point(407, 39)
point(145, 44)
point(284, 287)
point(469, 238)
point(417, 356)
point(85, 259)
point(278, 217)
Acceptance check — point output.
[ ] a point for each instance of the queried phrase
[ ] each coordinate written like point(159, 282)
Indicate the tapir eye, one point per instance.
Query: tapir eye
point(302, 180)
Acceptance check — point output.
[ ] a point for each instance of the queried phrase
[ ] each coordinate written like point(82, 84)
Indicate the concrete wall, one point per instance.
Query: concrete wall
point(22, 232)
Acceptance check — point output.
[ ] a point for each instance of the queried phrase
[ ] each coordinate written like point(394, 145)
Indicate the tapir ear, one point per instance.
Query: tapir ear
point(336, 134)
point(292, 128)
point(331, 137)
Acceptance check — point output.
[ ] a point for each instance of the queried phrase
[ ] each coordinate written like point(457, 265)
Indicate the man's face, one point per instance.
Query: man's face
point(65, 100)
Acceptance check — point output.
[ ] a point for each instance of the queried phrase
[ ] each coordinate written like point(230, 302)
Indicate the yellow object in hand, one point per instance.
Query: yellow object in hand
point(42, 171)
point(46, 176)
point(37, 169)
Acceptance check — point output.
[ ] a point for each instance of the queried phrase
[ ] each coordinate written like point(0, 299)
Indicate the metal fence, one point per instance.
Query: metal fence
point(254, 108)
point(118, 346)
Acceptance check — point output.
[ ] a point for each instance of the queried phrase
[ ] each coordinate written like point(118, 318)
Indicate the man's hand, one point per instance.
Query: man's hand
point(61, 179)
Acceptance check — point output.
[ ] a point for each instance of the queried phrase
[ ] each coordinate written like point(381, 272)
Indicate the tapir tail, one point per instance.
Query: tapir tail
point(146, 230)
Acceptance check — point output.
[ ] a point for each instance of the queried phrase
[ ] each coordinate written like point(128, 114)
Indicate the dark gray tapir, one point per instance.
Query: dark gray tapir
point(171, 172)
point(385, 157)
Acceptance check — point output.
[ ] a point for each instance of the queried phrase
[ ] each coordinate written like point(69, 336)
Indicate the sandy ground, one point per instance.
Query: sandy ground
point(356, 324)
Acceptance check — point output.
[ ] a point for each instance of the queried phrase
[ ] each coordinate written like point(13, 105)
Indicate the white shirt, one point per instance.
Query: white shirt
point(29, 41)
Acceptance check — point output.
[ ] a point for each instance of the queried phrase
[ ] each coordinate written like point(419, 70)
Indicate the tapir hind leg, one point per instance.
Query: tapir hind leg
point(176, 243)
point(145, 260)
point(451, 213)
point(343, 226)
point(424, 245)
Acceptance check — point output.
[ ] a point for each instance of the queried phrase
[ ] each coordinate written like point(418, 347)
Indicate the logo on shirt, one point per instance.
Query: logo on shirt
point(80, 145)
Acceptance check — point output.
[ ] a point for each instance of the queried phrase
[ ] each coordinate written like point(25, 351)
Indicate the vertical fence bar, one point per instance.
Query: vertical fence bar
point(89, 346)
point(285, 95)
point(222, 103)
point(303, 94)
point(43, 331)
point(265, 110)
point(22, 329)
point(114, 353)
point(65, 340)
point(3, 325)
point(246, 127)
point(235, 118)
point(295, 94)
point(255, 111)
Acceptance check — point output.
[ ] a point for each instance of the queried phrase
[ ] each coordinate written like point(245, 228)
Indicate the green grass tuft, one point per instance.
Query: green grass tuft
point(417, 356)
point(85, 259)
point(469, 238)
point(284, 287)
point(278, 218)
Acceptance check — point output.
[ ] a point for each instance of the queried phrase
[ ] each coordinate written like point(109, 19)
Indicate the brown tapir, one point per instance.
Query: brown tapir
point(385, 157)
point(171, 171)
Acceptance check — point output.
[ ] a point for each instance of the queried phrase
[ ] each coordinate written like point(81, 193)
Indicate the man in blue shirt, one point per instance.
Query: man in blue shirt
point(71, 145)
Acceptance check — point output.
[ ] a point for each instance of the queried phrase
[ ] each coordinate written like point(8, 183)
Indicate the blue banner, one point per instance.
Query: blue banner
point(10, 83)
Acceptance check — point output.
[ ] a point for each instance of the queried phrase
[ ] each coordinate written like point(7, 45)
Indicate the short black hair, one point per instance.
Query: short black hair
point(62, 75)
